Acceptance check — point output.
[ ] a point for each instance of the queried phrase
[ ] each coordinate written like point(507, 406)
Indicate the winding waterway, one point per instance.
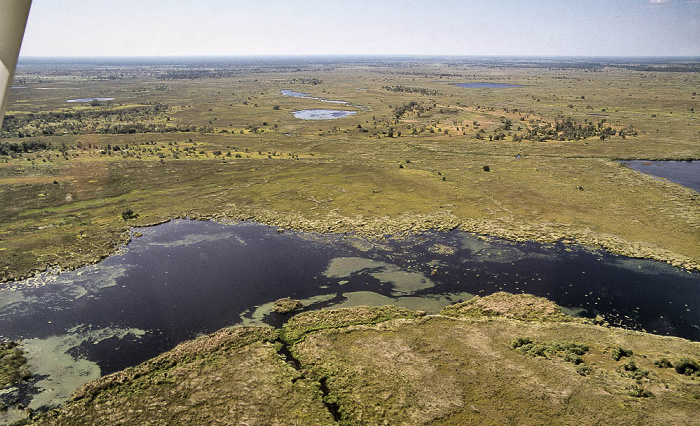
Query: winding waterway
point(186, 278)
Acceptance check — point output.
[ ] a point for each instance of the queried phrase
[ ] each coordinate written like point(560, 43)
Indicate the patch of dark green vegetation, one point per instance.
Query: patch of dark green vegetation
point(568, 129)
point(687, 367)
point(406, 89)
point(663, 363)
point(129, 214)
point(570, 352)
point(639, 392)
point(12, 364)
point(631, 370)
point(618, 353)
point(9, 148)
point(412, 106)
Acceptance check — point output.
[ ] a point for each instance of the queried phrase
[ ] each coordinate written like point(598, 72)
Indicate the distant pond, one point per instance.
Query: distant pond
point(486, 85)
point(686, 173)
point(322, 114)
point(90, 100)
point(186, 278)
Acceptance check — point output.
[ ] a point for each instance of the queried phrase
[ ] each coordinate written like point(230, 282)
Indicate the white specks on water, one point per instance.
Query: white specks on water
point(199, 238)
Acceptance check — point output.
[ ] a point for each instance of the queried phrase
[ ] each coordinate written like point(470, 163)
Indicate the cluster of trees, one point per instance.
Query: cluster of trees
point(399, 111)
point(87, 121)
point(193, 74)
point(407, 89)
point(9, 148)
point(569, 129)
point(301, 80)
point(131, 128)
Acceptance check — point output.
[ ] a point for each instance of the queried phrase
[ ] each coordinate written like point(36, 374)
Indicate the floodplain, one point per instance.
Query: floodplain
point(525, 150)
point(215, 138)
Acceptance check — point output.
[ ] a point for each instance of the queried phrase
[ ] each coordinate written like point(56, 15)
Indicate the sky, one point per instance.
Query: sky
point(363, 27)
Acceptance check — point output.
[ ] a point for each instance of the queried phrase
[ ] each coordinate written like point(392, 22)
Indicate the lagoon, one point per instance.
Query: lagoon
point(186, 278)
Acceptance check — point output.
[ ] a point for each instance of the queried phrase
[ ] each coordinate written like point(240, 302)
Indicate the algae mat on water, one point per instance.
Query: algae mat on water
point(393, 366)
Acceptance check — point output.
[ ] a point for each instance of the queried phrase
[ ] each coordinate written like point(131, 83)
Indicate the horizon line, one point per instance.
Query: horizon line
point(351, 55)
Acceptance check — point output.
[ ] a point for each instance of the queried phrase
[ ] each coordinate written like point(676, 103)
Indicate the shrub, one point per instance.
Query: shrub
point(663, 363)
point(129, 214)
point(640, 392)
point(584, 370)
point(619, 352)
point(686, 366)
point(520, 341)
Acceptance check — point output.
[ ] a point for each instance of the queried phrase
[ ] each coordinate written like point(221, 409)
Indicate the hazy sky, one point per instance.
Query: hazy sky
point(373, 27)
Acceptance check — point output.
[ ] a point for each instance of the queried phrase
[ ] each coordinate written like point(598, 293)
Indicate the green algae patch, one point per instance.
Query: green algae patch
point(515, 306)
point(234, 376)
point(203, 347)
point(389, 365)
point(307, 322)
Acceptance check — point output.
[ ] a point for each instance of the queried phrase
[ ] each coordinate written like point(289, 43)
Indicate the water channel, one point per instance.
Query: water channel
point(185, 278)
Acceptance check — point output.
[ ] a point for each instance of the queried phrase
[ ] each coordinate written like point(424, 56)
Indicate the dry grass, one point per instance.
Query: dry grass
point(372, 368)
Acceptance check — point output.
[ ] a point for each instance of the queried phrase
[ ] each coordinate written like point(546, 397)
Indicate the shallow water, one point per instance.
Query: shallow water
point(186, 278)
point(90, 99)
point(287, 92)
point(486, 85)
point(686, 173)
point(322, 114)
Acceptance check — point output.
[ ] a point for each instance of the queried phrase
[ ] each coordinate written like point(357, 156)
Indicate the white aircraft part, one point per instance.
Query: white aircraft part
point(13, 20)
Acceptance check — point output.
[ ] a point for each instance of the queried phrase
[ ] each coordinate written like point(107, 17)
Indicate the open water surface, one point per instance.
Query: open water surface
point(90, 99)
point(185, 278)
point(686, 173)
point(322, 114)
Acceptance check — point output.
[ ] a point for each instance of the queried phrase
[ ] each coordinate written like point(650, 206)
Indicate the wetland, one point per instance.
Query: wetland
point(426, 196)
point(183, 279)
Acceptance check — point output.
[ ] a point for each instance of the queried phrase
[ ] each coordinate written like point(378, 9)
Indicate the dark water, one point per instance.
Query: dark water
point(486, 85)
point(686, 173)
point(186, 278)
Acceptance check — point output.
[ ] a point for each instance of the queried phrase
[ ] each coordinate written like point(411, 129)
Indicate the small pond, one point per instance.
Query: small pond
point(287, 92)
point(322, 114)
point(90, 100)
point(186, 278)
point(486, 85)
point(686, 173)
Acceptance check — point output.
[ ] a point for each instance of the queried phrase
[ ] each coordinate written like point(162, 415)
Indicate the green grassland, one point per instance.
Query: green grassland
point(223, 143)
point(501, 359)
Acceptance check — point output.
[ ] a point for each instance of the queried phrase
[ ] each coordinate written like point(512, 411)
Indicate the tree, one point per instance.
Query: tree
point(129, 214)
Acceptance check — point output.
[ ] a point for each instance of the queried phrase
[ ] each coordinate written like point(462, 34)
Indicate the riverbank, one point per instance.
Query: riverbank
point(501, 358)
point(379, 228)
